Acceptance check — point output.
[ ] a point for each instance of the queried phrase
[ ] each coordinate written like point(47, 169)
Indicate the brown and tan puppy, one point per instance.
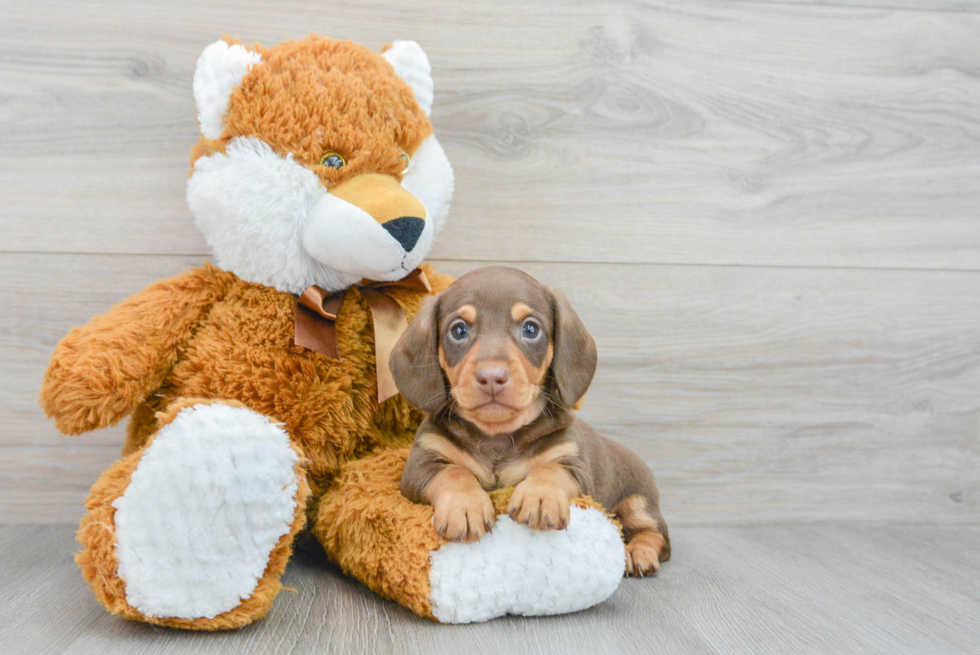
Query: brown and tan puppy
point(497, 361)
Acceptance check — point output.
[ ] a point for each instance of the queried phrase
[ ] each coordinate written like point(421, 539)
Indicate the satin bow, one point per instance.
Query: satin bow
point(316, 322)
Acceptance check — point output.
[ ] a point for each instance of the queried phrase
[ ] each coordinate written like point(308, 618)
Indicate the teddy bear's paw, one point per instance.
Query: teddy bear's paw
point(517, 570)
point(211, 497)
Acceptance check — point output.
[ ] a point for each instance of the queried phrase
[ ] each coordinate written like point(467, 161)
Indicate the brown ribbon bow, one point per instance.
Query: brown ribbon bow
point(316, 322)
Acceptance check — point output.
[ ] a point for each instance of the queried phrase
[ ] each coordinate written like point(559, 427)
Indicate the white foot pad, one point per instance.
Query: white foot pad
point(516, 570)
point(210, 498)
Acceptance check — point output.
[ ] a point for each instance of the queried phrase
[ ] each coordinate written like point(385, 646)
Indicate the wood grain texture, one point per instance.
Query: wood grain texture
point(815, 589)
point(757, 395)
point(766, 212)
point(972, 6)
point(662, 132)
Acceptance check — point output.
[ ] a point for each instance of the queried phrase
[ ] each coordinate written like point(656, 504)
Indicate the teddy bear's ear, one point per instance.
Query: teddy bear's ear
point(220, 69)
point(409, 61)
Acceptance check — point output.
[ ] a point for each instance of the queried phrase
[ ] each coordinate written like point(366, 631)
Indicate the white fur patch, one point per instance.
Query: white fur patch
point(430, 179)
point(410, 63)
point(516, 570)
point(268, 220)
point(210, 498)
point(251, 204)
point(220, 69)
point(345, 237)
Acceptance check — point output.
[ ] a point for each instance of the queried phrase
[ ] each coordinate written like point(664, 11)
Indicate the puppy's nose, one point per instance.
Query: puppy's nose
point(492, 379)
point(406, 230)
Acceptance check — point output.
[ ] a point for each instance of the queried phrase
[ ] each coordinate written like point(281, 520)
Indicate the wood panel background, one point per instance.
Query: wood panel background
point(768, 214)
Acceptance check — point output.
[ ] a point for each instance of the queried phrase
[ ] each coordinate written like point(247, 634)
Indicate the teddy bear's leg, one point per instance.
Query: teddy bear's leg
point(194, 529)
point(389, 544)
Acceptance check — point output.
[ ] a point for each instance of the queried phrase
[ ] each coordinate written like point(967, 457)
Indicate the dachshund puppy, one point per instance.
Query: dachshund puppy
point(497, 361)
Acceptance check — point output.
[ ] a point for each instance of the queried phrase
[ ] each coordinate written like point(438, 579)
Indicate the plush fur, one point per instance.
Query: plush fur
point(209, 500)
point(237, 436)
point(208, 334)
point(99, 559)
point(220, 69)
point(267, 206)
point(388, 542)
point(204, 336)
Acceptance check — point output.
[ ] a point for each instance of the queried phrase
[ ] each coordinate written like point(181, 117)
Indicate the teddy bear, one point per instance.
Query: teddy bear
point(258, 388)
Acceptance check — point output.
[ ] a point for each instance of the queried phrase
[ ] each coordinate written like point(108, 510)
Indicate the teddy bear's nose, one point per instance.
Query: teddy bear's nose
point(406, 230)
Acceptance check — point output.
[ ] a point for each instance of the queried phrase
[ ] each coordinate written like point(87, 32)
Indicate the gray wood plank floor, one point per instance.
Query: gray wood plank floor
point(765, 589)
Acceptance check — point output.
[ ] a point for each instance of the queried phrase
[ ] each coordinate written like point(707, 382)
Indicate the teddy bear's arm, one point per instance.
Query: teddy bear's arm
point(101, 371)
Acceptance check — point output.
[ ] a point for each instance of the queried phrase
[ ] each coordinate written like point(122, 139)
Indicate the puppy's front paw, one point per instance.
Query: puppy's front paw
point(465, 516)
point(643, 556)
point(539, 506)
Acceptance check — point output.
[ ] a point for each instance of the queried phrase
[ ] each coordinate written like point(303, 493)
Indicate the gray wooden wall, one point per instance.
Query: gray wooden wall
point(767, 213)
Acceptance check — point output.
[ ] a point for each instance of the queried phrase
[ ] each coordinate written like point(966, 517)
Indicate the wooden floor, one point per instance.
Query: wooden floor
point(766, 212)
point(766, 589)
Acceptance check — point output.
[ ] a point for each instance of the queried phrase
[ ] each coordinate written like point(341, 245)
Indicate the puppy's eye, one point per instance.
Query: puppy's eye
point(405, 160)
point(333, 160)
point(530, 330)
point(459, 331)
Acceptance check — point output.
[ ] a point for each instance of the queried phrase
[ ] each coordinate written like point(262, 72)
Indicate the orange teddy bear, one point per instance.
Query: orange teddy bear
point(258, 389)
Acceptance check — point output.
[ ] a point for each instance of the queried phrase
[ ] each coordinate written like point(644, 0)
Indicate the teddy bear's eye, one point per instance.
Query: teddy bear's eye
point(333, 160)
point(405, 160)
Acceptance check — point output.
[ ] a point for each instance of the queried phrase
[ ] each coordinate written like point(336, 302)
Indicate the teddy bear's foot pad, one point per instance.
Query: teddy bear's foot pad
point(212, 495)
point(516, 570)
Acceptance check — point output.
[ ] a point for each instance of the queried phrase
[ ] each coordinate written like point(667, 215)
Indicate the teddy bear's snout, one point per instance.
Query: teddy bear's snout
point(381, 196)
point(369, 226)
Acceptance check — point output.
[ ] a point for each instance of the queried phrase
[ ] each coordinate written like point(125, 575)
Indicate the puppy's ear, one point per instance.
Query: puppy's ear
point(575, 357)
point(415, 361)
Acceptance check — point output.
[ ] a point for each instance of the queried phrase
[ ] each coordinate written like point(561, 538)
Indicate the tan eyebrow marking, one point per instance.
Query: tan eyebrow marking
point(467, 313)
point(520, 311)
